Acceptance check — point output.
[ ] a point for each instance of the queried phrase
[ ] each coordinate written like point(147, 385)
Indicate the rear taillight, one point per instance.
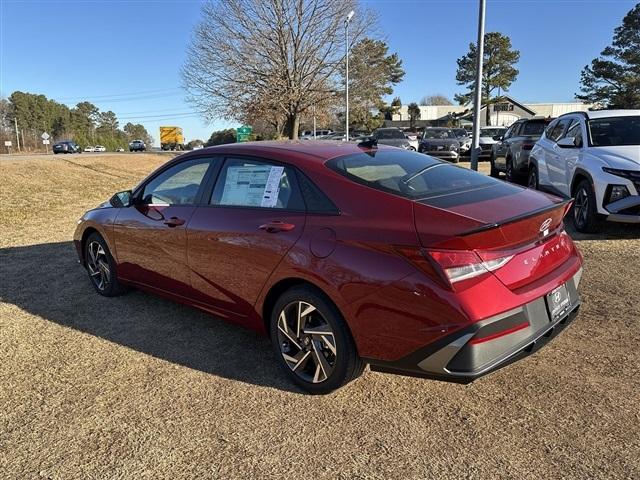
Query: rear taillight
point(463, 265)
point(452, 266)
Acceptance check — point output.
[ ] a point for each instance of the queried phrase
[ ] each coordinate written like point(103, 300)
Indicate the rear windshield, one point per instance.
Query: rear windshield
point(615, 131)
point(408, 174)
point(534, 128)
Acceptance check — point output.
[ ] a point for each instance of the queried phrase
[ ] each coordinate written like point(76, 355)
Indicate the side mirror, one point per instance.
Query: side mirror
point(567, 142)
point(121, 199)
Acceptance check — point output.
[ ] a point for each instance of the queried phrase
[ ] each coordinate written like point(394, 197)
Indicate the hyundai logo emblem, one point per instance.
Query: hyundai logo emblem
point(544, 226)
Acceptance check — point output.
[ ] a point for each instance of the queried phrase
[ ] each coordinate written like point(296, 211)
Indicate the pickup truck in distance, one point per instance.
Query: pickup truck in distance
point(171, 138)
point(137, 146)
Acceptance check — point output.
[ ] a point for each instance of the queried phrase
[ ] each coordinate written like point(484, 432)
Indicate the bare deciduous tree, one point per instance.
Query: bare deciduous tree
point(275, 57)
point(437, 99)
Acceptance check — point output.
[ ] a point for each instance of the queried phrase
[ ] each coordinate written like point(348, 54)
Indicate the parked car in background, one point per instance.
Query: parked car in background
point(100, 148)
point(66, 146)
point(488, 136)
point(393, 137)
point(440, 142)
point(119, 149)
point(308, 134)
point(464, 139)
point(593, 157)
point(510, 153)
point(345, 255)
point(137, 146)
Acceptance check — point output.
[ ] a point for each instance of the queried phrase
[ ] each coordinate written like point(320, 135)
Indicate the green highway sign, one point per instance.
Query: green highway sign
point(243, 133)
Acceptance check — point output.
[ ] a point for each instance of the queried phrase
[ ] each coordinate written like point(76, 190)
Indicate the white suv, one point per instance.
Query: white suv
point(595, 158)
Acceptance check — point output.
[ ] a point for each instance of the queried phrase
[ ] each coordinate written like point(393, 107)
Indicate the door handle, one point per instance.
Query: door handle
point(277, 226)
point(174, 222)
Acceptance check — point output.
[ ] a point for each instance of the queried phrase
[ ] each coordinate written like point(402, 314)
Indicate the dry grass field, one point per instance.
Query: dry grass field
point(137, 387)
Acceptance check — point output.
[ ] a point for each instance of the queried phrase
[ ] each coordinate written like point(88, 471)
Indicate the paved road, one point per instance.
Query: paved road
point(41, 155)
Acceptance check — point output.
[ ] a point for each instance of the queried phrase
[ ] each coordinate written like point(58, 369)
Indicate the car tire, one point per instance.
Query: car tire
point(584, 214)
point(532, 181)
point(508, 171)
point(317, 363)
point(101, 267)
point(495, 173)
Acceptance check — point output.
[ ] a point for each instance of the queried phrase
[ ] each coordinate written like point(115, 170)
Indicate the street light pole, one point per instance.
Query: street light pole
point(346, 35)
point(475, 143)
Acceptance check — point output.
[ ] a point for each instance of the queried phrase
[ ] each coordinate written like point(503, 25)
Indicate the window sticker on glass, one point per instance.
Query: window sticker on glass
point(252, 185)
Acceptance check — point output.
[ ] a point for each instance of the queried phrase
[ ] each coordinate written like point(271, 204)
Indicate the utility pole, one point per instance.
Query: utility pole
point(15, 122)
point(475, 143)
point(346, 34)
point(314, 121)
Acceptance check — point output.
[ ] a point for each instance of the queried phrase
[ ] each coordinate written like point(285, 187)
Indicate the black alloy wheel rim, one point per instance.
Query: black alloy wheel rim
point(98, 266)
point(307, 342)
point(532, 180)
point(581, 208)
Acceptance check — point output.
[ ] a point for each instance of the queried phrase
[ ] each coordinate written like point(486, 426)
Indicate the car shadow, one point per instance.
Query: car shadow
point(46, 280)
point(608, 231)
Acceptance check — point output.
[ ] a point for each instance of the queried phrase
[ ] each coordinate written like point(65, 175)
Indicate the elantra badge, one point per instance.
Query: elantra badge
point(544, 227)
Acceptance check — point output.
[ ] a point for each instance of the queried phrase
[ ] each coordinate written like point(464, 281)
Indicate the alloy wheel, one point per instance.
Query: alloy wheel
point(581, 208)
point(533, 183)
point(98, 265)
point(307, 342)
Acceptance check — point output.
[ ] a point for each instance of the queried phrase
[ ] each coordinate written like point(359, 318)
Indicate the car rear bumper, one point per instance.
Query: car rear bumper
point(484, 347)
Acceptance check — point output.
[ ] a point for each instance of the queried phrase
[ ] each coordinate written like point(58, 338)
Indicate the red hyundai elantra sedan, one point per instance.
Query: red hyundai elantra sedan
point(345, 255)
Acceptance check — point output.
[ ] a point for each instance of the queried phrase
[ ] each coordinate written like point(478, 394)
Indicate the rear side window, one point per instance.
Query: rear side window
point(408, 174)
point(248, 183)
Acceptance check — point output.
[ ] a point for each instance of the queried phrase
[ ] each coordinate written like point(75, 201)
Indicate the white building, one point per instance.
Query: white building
point(503, 113)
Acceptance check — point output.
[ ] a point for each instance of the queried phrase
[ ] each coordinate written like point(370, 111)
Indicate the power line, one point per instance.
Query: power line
point(118, 95)
point(160, 117)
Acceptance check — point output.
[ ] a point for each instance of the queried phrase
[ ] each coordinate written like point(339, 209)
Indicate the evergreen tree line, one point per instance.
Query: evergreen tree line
point(85, 123)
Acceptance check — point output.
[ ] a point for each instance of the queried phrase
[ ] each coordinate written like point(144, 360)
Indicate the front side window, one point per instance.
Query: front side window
point(558, 129)
point(178, 185)
point(605, 132)
point(575, 131)
point(511, 131)
point(244, 183)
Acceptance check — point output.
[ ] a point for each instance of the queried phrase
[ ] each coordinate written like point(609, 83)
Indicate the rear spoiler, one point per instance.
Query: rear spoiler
point(489, 226)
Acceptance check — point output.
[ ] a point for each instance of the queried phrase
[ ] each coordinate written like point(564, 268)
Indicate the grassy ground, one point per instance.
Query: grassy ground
point(138, 387)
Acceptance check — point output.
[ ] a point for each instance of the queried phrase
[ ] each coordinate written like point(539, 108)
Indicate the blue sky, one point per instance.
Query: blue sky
point(125, 56)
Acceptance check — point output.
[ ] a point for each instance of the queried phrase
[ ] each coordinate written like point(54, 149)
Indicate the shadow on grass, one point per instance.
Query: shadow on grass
point(47, 281)
point(608, 231)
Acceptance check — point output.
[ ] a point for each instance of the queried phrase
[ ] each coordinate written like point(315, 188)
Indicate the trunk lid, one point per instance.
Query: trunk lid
point(497, 221)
